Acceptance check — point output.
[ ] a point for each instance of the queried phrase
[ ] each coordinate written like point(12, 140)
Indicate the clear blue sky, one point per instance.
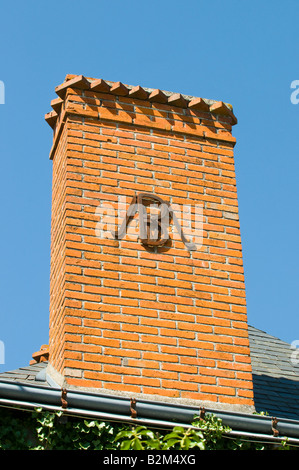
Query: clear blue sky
point(242, 52)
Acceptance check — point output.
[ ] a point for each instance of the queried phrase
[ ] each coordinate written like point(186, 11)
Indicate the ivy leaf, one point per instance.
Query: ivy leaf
point(122, 434)
point(137, 444)
point(100, 425)
point(199, 444)
point(172, 435)
point(125, 445)
point(89, 424)
point(84, 446)
point(148, 433)
point(170, 443)
point(186, 443)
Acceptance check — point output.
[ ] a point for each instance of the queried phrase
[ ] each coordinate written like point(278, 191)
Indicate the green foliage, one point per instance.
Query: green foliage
point(55, 431)
point(184, 439)
point(141, 438)
point(137, 438)
point(43, 430)
point(14, 433)
point(213, 430)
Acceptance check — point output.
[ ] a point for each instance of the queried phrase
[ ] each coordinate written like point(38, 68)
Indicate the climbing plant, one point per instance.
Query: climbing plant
point(44, 430)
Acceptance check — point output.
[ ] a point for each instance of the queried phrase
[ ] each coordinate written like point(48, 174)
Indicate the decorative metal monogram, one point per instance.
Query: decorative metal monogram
point(153, 224)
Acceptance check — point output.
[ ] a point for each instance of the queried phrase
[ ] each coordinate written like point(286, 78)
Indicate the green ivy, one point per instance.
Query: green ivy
point(55, 431)
point(43, 430)
point(14, 431)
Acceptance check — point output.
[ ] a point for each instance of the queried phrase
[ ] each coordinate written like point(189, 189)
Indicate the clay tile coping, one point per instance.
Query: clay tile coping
point(119, 88)
point(56, 104)
point(139, 93)
point(42, 355)
point(177, 100)
point(158, 96)
point(77, 82)
point(100, 85)
point(199, 103)
point(221, 108)
point(51, 118)
point(154, 95)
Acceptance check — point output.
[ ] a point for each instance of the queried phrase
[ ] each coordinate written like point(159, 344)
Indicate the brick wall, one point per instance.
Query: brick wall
point(124, 316)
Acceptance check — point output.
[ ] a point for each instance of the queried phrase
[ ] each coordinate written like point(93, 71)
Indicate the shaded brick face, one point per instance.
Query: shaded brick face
point(125, 316)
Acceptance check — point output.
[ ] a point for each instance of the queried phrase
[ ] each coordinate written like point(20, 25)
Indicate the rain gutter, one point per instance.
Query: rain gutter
point(150, 413)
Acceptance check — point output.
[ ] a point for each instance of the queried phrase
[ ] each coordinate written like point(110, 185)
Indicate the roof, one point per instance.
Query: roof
point(30, 375)
point(275, 377)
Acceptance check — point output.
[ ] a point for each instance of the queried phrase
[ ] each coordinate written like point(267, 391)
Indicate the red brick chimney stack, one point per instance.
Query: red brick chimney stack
point(146, 315)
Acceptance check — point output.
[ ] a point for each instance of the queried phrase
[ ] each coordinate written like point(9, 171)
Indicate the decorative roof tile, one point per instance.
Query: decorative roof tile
point(217, 108)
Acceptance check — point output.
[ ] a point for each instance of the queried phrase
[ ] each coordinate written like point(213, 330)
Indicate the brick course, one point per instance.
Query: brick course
point(124, 317)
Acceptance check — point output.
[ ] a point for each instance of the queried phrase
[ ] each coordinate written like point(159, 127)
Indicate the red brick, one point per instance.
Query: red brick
point(165, 321)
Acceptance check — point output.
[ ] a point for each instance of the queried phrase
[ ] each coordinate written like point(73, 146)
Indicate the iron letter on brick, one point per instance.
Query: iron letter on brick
point(153, 229)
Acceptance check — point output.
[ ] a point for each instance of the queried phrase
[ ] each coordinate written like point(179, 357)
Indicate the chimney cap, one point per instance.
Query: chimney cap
point(77, 82)
point(120, 89)
point(40, 356)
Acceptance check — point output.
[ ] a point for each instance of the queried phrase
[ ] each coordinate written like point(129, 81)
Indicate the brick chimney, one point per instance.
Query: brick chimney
point(147, 294)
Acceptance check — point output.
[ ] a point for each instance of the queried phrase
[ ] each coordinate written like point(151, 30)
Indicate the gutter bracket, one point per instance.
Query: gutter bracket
point(274, 427)
point(64, 403)
point(133, 408)
point(202, 413)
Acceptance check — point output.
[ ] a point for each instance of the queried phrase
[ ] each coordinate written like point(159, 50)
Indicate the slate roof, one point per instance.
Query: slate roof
point(275, 377)
point(34, 374)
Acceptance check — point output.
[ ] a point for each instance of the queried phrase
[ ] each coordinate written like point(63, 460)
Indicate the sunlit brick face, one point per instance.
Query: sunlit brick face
point(126, 315)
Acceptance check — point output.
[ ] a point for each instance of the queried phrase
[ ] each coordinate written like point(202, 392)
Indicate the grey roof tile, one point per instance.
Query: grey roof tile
point(31, 374)
point(275, 377)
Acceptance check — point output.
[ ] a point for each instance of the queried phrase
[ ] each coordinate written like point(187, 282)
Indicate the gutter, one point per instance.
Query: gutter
point(145, 412)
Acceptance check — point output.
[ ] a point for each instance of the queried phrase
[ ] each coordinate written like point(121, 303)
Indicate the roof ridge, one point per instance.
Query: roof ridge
point(269, 335)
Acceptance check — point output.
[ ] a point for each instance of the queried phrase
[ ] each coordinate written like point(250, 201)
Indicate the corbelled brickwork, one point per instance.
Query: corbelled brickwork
point(124, 316)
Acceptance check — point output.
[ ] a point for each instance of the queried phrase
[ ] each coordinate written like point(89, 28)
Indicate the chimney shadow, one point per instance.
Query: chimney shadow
point(277, 396)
